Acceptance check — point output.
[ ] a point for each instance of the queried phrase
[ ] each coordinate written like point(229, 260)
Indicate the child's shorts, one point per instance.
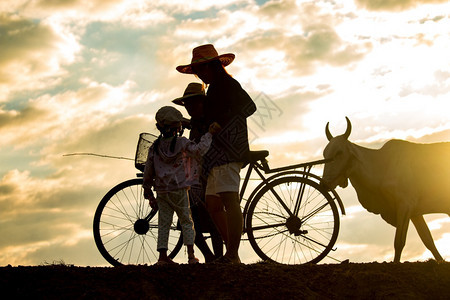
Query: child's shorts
point(224, 178)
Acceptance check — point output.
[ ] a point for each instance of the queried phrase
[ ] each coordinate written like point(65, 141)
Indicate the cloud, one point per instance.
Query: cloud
point(439, 85)
point(23, 193)
point(130, 13)
point(394, 5)
point(276, 44)
point(10, 119)
point(47, 118)
point(302, 53)
point(72, 4)
point(322, 45)
point(434, 19)
point(45, 8)
point(32, 55)
point(181, 6)
point(39, 238)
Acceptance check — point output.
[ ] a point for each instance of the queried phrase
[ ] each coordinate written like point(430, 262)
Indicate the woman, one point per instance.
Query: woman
point(228, 105)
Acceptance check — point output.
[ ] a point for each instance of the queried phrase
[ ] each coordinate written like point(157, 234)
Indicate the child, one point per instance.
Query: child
point(170, 169)
point(193, 101)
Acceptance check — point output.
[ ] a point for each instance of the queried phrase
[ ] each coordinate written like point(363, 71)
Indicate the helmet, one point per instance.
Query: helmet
point(168, 116)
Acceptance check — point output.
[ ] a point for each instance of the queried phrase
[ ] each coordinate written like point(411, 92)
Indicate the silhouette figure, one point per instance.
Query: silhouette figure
point(230, 106)
point(193, 100)
point(402, 181)
point(171, 169)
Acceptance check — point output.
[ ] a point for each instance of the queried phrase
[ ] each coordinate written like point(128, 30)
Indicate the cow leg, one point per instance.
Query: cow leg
point(425, 236)
point(400, 233)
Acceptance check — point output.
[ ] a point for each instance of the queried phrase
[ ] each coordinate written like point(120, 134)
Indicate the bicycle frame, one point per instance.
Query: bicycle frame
point(263, 166)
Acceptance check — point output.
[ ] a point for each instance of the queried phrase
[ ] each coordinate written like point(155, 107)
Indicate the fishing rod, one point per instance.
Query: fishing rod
point(98, 155)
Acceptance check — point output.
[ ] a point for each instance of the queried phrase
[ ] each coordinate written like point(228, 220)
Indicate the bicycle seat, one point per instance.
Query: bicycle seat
point(254, 156)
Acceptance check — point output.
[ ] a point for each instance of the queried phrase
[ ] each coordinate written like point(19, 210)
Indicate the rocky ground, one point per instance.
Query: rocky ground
point(418, 280)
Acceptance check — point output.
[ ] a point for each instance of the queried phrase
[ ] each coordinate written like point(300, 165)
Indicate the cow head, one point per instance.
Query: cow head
point(337, 150)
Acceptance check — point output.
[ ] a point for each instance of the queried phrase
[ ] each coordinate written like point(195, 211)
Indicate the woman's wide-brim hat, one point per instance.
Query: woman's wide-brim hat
point(203, 54)
point(192, 91)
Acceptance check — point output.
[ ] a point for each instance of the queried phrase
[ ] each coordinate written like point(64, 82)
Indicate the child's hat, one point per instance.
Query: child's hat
point(168, 116)
point(203, 54)
point(193, 89)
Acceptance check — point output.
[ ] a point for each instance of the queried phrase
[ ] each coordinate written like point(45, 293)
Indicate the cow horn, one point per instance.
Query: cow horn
point(327, 132)
point(349, 129)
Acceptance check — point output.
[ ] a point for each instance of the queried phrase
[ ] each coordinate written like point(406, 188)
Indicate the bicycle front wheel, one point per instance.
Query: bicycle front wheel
point(292, 220)
point(126, 227)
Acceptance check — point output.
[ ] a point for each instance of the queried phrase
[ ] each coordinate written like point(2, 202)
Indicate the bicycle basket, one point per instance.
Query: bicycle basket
point(144, 143)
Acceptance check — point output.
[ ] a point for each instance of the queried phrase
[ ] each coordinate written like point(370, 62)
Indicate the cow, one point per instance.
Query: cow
point(401, 181)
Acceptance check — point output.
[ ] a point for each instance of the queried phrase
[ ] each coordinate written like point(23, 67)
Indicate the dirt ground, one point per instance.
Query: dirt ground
point(418, 280)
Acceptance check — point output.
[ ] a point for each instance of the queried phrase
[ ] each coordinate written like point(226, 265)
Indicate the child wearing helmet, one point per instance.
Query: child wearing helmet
point(170, 170)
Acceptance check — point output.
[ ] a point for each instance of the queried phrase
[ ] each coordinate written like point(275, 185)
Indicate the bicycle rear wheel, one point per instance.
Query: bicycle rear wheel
point(126, 227)
point(292, 220)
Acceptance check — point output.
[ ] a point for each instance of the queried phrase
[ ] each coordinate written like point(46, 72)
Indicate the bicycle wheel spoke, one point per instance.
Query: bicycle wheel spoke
point(312, 213)
point(137, 195)
point(149, 248)
point(260, 227)
point(141, 249)
point(130, 240)
point(120, 246)
point(116, 217)
point(114, 226)
point(116, 234)
point(121, 210)
point(133, 206)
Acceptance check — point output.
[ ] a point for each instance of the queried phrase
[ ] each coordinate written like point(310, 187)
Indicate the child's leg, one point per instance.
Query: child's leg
point(190, 251)
point(191, 257)
point(184, 216)
point(165, 217)
point(164, 258)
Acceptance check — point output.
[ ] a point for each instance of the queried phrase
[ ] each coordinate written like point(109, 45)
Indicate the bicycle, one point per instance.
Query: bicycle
point(289, 217)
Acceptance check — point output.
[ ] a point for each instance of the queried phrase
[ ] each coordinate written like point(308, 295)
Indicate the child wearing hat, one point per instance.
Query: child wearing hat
point(193, 101)
point(228, 104)
point(170, 170)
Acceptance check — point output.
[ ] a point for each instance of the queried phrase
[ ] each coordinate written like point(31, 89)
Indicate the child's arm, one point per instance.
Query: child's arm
point(205, 142)
point(149, 177)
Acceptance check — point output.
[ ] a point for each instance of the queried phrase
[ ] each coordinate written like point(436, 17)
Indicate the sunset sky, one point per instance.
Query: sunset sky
point(89, 75)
